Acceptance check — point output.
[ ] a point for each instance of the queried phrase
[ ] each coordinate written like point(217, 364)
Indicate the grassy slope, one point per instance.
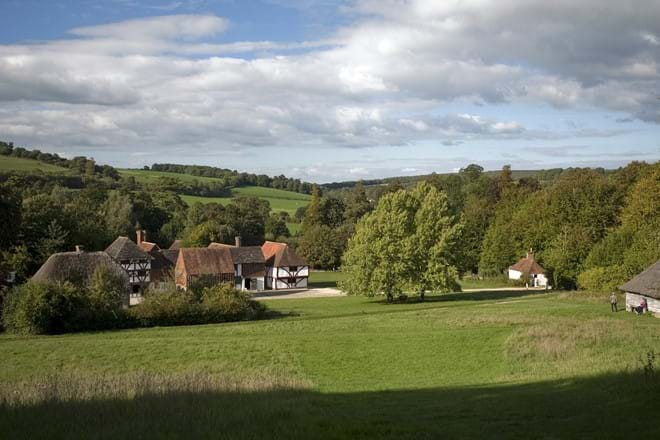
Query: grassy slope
point(500, 364)
point(330, 279)
point(8, 163)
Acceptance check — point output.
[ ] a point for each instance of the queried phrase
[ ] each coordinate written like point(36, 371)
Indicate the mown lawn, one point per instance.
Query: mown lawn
point(470, 365)
point(319, 278)
point(8, 163)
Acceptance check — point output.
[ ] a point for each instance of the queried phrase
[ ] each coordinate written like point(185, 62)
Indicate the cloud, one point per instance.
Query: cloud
point(388, 78)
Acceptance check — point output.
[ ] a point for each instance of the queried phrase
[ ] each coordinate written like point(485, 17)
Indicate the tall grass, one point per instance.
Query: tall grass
point(77, 387)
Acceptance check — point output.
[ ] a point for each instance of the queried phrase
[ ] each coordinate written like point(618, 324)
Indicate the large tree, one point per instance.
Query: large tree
point(405, 245)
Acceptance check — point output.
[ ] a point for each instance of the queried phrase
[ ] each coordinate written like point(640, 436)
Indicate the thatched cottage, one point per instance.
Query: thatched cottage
point(284, 268)
point(645, 285)
point(528, 268)
point(77, 267)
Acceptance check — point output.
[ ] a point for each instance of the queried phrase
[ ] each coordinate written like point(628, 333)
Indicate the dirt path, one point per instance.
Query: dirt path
point(326, 292)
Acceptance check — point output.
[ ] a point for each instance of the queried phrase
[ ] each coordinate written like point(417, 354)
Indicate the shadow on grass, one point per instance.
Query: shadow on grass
point(615, 406)
point(323, 284)
point(489, 295)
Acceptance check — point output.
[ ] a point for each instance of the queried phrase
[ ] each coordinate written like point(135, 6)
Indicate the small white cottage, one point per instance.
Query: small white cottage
point(528, 267)
point(645, 285)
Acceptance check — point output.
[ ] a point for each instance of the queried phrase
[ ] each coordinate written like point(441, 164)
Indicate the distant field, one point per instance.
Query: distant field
point(470, 365)
point(8, 163)
point(145, 176)
point(279, 200)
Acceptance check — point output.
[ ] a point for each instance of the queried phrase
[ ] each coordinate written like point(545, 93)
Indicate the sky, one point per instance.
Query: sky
point(330, 90)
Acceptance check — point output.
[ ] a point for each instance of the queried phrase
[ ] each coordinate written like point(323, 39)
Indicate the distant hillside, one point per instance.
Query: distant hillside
point(10, 163)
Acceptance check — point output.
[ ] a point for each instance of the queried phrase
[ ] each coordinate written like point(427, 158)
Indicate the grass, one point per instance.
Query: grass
point(471, 365)
point(325, 279)
point(277, 200)
point(8, 163)
point(486, 283)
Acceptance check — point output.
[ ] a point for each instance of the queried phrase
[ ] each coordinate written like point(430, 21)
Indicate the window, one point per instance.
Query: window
point(293, 269)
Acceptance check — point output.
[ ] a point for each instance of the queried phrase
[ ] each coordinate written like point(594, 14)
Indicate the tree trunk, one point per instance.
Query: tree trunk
point(421, 295)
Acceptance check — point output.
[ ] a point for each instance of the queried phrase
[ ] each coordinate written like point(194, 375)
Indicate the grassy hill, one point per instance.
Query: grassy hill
point(9, 163)
point(279, 200)
point(490, 364)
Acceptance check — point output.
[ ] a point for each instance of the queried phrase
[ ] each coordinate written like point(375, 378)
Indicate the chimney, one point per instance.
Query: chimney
point(238, 240)
point(139, 236)
point(79, 249)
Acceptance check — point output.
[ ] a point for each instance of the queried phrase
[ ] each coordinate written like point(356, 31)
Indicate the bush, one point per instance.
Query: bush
point(224, 303)
point(220, 303)
point(173, 307)
point(45, 308)
point(603, 279)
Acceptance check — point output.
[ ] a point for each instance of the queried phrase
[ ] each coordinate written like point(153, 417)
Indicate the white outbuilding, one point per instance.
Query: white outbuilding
point(530, 269)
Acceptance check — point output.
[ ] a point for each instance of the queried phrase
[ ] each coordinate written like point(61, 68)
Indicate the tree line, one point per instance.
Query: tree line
point(589, 228)
point(233, 178)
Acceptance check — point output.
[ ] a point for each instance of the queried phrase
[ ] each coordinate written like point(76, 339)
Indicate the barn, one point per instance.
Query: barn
point(645, 285)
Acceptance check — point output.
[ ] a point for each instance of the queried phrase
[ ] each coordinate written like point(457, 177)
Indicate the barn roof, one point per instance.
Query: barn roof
point(206, 261)
point(528, 265)
point(646, 283)
point(242, 254)
point(124, 249)
point(77, 267)
point(280, 254)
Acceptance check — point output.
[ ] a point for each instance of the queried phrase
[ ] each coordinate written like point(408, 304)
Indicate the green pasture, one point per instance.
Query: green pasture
point(9, 163)
point(506, 364)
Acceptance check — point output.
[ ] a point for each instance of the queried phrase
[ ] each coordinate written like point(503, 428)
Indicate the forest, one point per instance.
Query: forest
point(590, 228)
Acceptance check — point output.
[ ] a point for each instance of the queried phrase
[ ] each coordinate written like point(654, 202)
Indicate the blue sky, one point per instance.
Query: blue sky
point(330, 90)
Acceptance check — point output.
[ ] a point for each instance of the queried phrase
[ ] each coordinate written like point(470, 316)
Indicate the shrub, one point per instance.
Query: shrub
point(45, 308)
point(173, 307)
point(224, 303)
point(605, 279)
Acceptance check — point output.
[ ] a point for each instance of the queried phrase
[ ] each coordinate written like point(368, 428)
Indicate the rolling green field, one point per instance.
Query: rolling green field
point(278, 201)
point(8, 163)
point(488, 364)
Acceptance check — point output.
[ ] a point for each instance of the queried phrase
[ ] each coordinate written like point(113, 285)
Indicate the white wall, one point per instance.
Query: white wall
point(633, 300)
point(514, 274)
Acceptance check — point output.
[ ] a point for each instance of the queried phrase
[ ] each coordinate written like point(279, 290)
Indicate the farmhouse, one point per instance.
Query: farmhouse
point(164, 260)
point(645, 285)
point(136, 263)
point(529, 268)
point(203, 264)
point(78, 267)
point(284, 268)
point(249, 264)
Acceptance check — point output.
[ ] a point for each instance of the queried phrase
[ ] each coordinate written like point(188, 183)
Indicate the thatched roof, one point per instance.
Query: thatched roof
point(124, 249)
point(77, 267)
point(646, 283)
point(528, 265)
point(205, 261)
point(243, 254)
point(280, 254)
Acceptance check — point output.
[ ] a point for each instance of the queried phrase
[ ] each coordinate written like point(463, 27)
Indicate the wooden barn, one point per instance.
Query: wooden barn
point(136, 263)
point(645, 285)
point(528, 267)
point(208, 264)
point(284, 268)
point(249, 265)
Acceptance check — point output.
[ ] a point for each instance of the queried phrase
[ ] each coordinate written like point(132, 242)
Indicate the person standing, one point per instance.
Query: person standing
point(613, 302)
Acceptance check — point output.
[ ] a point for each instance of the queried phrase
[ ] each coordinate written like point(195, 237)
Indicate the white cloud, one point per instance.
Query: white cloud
point(164, 84)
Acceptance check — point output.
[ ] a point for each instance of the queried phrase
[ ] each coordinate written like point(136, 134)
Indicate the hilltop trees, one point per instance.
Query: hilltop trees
point(404, 245)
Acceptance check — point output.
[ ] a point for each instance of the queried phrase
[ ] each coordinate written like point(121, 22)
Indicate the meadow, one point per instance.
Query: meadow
point(471, 365)
point(9, 163)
